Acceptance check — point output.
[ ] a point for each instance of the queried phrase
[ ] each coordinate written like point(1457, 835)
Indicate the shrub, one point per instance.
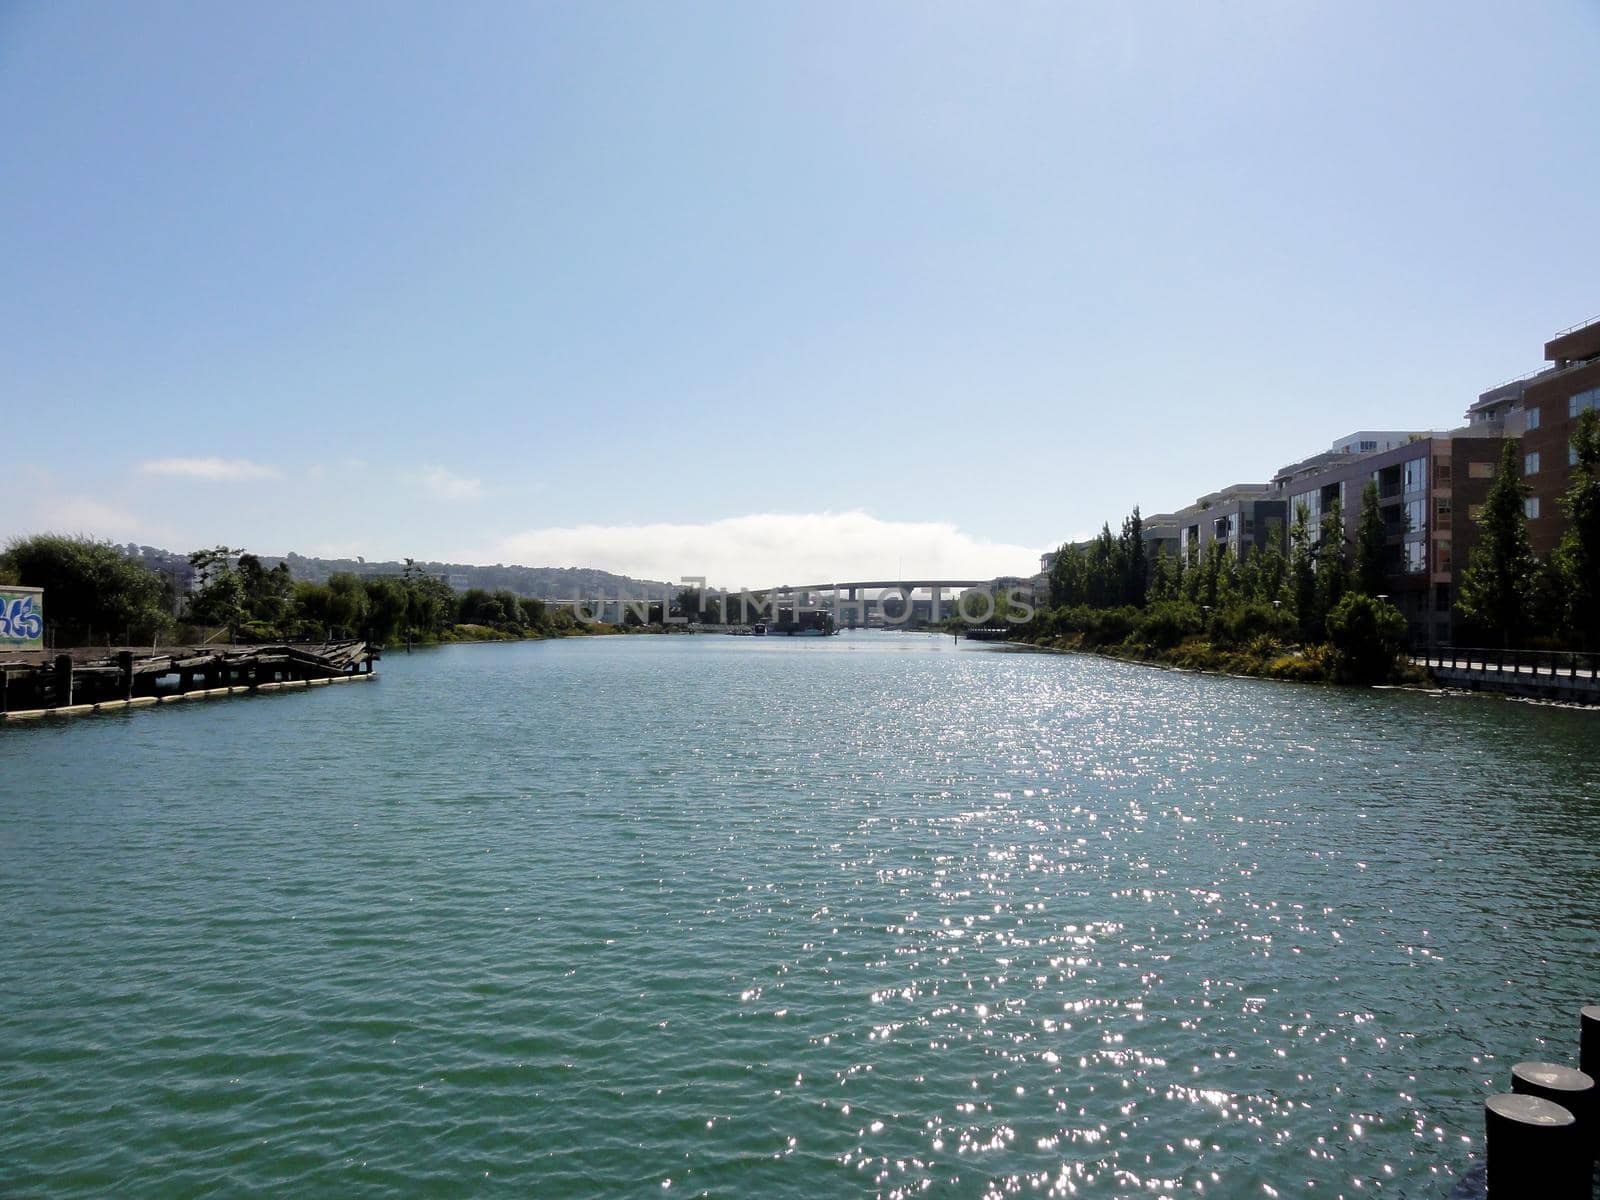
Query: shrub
point(1166, 624)
point(1366, 636)
point(1243, 623)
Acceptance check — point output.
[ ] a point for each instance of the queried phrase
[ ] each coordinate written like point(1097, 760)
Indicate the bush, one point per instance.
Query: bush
point(1166, 624)
point(1365, 636)
point(1243, 623)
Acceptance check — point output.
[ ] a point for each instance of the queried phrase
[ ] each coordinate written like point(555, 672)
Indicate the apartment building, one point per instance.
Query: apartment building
point(1551, 403)
point(1429, 487)
point(1238, 517)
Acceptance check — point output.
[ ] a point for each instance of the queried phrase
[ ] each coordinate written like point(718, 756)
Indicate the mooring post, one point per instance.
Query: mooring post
point(1589, 1041)
point(125, 666)
point(63, 680)
point(1572, 1090)
point(1532, 1151)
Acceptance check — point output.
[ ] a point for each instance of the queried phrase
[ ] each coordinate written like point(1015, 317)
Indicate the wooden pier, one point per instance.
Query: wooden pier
point(69, 683)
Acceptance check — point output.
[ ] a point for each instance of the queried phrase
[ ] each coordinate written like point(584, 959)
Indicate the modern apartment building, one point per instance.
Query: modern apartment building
point(1238, 517)
point(1551, 403)
point(1429, 486)
point(1160, 533)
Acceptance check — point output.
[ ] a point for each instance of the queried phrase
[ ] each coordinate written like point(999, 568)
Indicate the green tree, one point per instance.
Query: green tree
point(347, 605)
point(430, 602)
point(1303, 572)
point(1498, 580)
point(1367, 636)
point(219, 595)
point(1578, 556)
point(90, 588)
point(1371, 545)
point(388, 601)
point(1135, 562)
point(268, 594)
point(1333, 567)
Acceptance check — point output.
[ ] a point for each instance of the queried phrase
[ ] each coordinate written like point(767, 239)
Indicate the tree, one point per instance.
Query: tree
point(1066, 577)
point(1498, 580)
point(1578, 556)
point(347, 604)
point(1371, 545)
point(1136, 564)
point(1333, 569)
point(1366, 636)
point(268, 595)
point(1303, 572)
point(90, 587)
point(219, 594)
point(387, 604)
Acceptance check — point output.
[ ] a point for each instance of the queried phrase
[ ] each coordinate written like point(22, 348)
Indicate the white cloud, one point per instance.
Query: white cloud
point(447, 485)
point(213, 470)
point(768, 549)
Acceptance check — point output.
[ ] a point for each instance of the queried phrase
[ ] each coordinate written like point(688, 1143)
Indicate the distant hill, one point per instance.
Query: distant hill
point(539, 583)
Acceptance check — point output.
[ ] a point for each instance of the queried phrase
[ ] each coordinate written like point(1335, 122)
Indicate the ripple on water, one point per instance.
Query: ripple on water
point(875, 914)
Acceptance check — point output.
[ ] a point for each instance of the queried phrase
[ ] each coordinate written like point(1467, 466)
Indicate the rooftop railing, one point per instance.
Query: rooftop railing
point(1580, 325)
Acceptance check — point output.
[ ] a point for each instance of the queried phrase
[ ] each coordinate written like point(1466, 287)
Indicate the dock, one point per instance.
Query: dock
point(43, 683)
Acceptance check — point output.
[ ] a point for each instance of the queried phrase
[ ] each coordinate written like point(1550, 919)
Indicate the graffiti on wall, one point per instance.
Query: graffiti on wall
point(21, 620)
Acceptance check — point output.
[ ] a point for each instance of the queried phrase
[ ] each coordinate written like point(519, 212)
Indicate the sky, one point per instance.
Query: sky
point(759, 292)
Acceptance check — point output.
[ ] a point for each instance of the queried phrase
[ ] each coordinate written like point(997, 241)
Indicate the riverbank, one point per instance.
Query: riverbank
point(1263, 659)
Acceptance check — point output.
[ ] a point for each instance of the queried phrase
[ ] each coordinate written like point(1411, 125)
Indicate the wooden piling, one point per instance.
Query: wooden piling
point(63, 681)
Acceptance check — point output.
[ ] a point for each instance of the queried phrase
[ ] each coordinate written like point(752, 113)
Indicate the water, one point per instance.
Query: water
point(870, 916)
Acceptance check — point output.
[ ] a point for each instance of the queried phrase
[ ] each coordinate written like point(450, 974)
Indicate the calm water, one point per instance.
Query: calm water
point(871, 916)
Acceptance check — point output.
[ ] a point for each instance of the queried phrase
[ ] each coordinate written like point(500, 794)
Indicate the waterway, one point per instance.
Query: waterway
point(873, 915)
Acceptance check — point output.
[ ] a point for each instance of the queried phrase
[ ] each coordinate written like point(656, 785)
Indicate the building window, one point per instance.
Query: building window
point(1533, 419)
point(1415, 474)
point(1413, 516)
point(1368, 447)
point(1530, 507)
point(1480, 470)
point(1441, 514)
point(1441, 556)
point(1530, 463)
point(1583, 401)
point(1416, 557)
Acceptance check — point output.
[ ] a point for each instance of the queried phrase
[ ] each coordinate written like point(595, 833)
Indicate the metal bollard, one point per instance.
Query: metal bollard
point(1532, 1149)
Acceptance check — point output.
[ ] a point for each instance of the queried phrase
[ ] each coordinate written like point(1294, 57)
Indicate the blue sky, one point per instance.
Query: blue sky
point(744, 289)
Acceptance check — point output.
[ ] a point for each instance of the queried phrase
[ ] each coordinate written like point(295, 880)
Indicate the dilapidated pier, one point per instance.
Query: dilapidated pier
point(67, 683)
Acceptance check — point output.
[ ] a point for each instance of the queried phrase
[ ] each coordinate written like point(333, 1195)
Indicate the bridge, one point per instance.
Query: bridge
point(852, 600)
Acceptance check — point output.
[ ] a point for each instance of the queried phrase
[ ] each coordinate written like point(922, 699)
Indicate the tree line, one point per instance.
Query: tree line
point(94, 593)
